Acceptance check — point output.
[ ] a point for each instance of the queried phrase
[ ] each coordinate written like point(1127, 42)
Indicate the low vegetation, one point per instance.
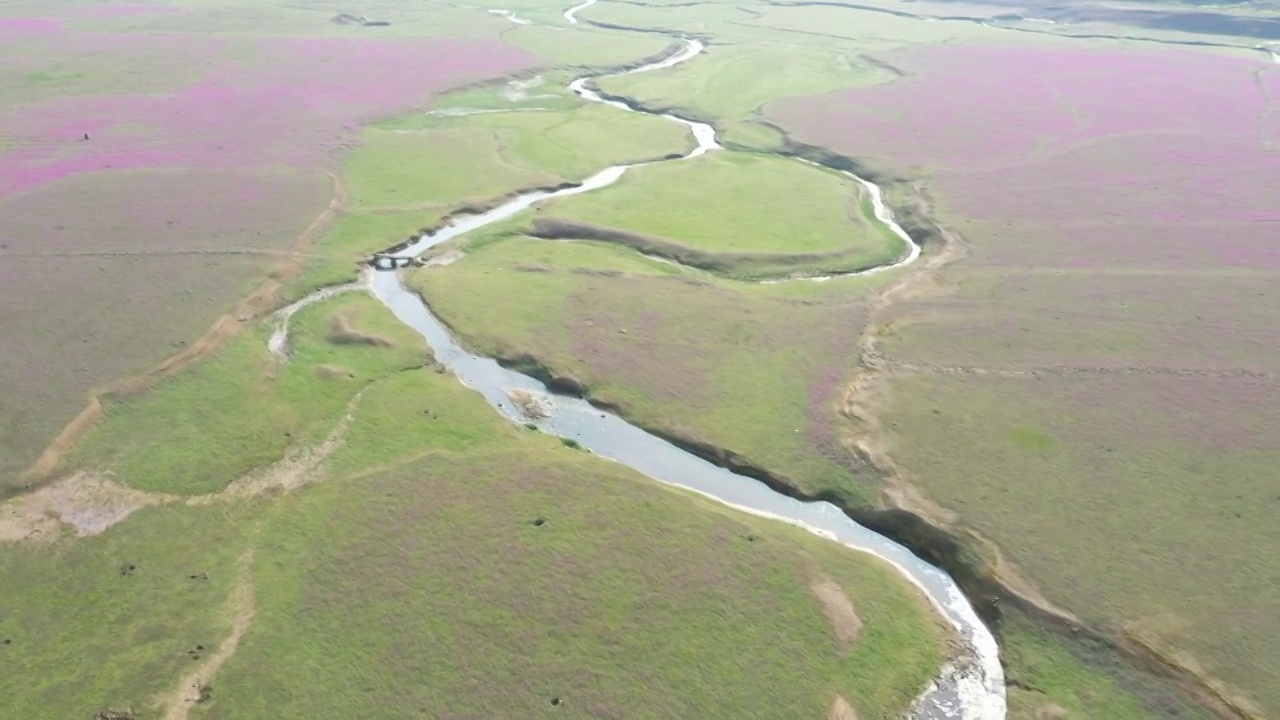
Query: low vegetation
point(689, 355)
point(348, 531)
point(487, 570)
point(415, 169)
point(1094, 387)
point(463, 564)
point(240, 410)
point(741, 214)
point(113, 620)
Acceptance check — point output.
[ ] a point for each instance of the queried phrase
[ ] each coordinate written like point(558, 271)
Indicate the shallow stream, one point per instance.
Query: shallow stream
point(972, 686)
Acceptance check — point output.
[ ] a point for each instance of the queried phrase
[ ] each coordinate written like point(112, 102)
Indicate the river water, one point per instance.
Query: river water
point(970, 687)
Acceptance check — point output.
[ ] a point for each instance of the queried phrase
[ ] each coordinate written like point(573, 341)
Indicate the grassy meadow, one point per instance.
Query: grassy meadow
point(1148, 488)
point(412, 170)
point(679, 351)
point(1094, 385)
point(435, 592)
point(80, 631)
point(199, 431)
point(740, 214)
point(731, 83)
point(167, 158)
point(351, 532)
point(460, 564)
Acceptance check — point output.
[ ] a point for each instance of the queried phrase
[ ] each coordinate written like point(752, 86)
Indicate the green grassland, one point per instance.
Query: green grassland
point(338, 254)
point(679, 351)
point(1075, 680)
point(698, 357)
point(1117, 476)
point(408, 578)
point(732, 82)
point(414, 169)
point(585, 48)
point(314, 19)
point(84, 632)
point(425, 588)
point(544, 91)
point(394, 169)
point(757, 214)
point(197, 432)
point(564, 145)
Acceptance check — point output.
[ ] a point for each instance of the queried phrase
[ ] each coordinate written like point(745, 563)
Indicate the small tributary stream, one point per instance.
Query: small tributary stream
point(971, 686)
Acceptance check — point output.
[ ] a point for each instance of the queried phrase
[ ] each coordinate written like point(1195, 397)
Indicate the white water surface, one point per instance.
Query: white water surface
point(573, 11)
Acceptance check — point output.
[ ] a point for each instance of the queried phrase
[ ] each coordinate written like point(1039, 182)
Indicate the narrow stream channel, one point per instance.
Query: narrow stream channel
point(971, 687)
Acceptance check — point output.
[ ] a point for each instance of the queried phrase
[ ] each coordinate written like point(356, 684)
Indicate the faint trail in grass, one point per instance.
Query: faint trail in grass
point(278, 343)
point(224, 328)
point(1063, 370)
point(297, 468)
point(841, 710)
point(1264, 115)
point(241, 606)
point(91, 502)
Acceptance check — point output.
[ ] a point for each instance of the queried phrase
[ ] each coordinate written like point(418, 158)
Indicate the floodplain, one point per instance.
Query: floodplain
point(1066, 401)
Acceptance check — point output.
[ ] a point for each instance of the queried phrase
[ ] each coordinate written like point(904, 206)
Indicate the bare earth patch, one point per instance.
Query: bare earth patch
point(88, 502)
point(842, 710)
point(840, 611)
point(91, 503)
point(445, 259)
point(344, 333)
point(532, 406)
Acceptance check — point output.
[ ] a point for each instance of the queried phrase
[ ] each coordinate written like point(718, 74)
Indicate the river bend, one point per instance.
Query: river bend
point(971, 687)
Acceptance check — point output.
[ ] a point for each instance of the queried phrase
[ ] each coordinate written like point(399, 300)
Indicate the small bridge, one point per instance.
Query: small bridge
point(393, 262)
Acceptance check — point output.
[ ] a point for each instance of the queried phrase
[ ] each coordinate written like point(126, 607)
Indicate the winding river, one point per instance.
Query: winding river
point(970, 687)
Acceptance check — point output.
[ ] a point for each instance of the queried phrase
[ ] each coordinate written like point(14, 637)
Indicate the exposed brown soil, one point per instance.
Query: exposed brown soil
point(444, 259)
point(90, 503)
point(841, 710)
point(532, 406)
point(342, 332)
point(1052, 712)
point(257, 304)
point(845, 622)
point(331, 372)
point(86, 502)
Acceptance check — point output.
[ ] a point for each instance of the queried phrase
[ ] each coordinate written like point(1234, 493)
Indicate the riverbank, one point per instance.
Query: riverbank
point(345, 485)
point(980, 686)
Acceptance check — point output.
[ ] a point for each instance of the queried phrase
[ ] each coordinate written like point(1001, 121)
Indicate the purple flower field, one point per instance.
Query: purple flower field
point(216, 144)
point(294, 104)
point(1118, 303)
point(1068, 141)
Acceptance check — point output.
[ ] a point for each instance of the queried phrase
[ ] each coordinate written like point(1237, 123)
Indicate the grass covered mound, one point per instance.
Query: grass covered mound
point(415, 169)
point(500, 571)
point(755, 370)
point(564, 144)
point(113, 620)
point(742, 214)
point(439, 561)
point(198, 432)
